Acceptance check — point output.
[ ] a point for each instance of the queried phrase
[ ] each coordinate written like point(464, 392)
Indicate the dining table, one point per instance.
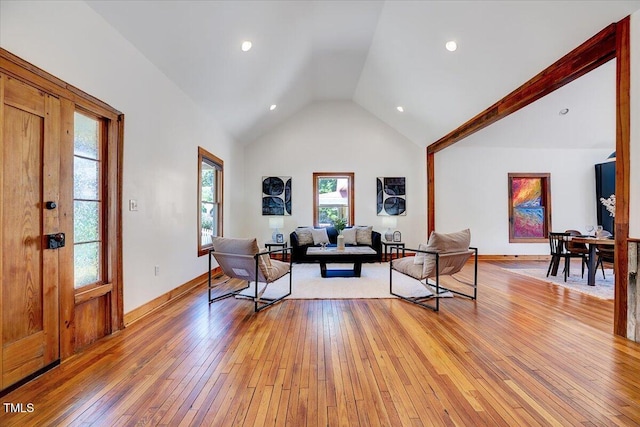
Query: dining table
point(592, 242)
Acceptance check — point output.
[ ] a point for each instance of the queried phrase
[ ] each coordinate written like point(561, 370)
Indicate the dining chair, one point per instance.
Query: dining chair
point(605, 253)
point(579, 249)
point(558, 245)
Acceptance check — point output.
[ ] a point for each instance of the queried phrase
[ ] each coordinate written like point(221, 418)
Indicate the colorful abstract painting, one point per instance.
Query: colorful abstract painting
point(526, 192)
point(528, 214)
point(528, 222)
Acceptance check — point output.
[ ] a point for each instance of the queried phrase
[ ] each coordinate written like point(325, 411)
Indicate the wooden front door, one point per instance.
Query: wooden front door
point(30, 163)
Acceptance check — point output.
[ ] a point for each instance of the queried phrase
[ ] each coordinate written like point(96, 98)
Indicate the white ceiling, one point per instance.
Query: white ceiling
point(379, 54)
point(589, 124)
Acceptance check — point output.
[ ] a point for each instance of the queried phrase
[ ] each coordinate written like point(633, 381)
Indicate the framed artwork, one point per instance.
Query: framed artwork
point(529, 207)
point(276, 195)
point(391, 196)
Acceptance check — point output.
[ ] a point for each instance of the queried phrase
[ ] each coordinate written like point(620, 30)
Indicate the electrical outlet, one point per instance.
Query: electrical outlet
point(156, 270)
point(133, 205)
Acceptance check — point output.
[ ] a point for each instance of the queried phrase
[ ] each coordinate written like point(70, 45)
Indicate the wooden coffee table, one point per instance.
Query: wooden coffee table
point(350, 255)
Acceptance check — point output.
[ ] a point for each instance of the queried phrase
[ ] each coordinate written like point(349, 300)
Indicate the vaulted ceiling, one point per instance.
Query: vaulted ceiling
point(378, 54)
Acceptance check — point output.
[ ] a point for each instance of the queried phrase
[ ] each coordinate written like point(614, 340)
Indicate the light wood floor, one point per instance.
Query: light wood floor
point(525, 353)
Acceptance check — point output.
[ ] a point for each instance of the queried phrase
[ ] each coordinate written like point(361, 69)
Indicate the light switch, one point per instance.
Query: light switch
point(133, 205)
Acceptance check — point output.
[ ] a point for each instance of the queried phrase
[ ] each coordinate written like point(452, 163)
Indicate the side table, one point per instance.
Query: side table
point(387, 248)
point(269, 246)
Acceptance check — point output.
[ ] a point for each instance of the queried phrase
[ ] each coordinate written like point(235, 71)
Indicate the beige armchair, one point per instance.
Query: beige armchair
point(242, 259)
point(443, 255)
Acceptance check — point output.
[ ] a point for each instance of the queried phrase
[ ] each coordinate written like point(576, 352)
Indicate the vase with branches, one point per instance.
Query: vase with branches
point(610, 204)
point(339, 224)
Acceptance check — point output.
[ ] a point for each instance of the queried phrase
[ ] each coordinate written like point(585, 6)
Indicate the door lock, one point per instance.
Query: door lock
point(55, 241)
point(51, 205)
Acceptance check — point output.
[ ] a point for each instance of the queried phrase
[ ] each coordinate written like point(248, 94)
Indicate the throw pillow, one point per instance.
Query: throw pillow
point(420, 256)
point(265, 257)
point(304, 236)
point(363, 235)
point(264, 262)
point(350, 236)
point(319, 235)
point(445, 242)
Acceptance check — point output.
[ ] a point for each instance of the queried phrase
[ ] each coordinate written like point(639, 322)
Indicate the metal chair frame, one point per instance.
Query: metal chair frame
point(260, 303)
point(435, 287)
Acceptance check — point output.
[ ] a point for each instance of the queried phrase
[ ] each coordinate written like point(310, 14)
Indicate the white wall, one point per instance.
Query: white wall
point(634, 170)
point(335, 137)
point(163, 128)
point(472, 191)
point(472, 176)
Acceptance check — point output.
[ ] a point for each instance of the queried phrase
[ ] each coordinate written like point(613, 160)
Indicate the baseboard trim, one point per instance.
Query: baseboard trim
point(147, 308)
point(514, 257)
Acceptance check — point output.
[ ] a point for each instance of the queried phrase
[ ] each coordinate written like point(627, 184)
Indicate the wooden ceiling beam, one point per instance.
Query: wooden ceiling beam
point(596, 51)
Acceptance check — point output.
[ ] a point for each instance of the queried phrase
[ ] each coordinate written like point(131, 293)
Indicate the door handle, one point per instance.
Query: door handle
point(55, 241)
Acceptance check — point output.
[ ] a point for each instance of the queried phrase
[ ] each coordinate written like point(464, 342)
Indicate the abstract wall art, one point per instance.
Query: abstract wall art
point(276, 195)
point(391, 196)
point(529, 209)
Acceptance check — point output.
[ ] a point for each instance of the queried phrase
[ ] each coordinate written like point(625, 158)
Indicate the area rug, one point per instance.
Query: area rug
point(603, 287)
point(373, 283)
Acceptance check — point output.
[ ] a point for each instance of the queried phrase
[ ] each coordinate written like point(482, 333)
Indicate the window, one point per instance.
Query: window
point(210, 173)
point(529, 207)
point(333, 197)
point(88, 206)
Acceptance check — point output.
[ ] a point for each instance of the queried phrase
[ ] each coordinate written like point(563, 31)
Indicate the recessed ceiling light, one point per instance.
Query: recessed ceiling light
point(400, 108)
point(273, 107)
point(564, 111)
point(246, 45)
point(451, 46)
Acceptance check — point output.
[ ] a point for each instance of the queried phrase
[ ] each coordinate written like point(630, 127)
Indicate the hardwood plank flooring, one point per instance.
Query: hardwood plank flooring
point(525, 353)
